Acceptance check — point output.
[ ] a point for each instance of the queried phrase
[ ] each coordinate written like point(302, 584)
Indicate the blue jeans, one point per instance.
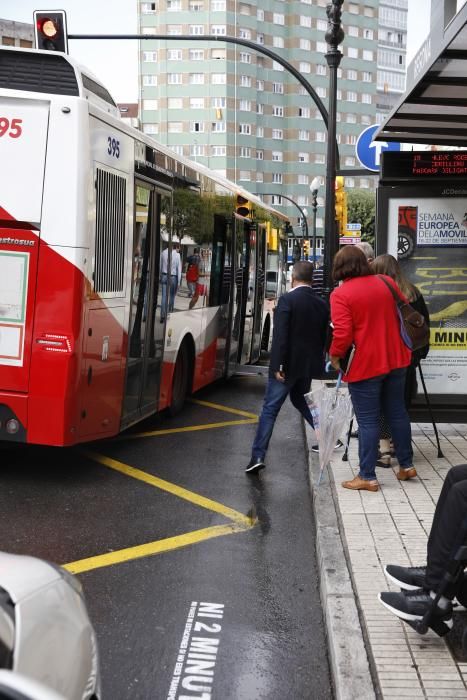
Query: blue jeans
point(370, 398)
point(172, 292)
point(276, 394)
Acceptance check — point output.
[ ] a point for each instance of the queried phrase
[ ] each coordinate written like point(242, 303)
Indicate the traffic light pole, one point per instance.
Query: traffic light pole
point(334, 36)
point(302, 213)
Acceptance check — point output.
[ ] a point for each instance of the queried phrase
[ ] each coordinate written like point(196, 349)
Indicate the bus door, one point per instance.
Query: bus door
point(239, 282)
point(259, 293)
point(220, 288)
point(250, 293)
point(146, 332)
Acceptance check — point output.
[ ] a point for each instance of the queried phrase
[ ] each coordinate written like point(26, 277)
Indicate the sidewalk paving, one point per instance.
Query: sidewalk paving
point(375, 529)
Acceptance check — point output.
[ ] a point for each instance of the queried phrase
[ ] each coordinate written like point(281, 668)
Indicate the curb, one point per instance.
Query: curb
point(348, 658)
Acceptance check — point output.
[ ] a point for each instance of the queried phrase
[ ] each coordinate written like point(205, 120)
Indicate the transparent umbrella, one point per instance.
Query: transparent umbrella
point(331, 409)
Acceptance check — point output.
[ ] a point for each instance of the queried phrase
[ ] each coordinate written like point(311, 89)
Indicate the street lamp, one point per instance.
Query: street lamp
point(314, 187)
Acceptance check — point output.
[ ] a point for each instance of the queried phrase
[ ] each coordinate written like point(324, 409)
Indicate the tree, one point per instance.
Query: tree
point(361, 209)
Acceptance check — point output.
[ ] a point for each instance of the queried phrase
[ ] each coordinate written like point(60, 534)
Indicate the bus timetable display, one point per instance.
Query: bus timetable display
point(423, 165)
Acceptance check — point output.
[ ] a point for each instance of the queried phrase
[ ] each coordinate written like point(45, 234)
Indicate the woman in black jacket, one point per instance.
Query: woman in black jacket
point(388, 265)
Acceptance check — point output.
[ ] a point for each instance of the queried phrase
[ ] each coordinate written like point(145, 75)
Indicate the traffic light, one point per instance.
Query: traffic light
point(341, 206)
point(306, 248)
point(243, 207)
point(50, 30)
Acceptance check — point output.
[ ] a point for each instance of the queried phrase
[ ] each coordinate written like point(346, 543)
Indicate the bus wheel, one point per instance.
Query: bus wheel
point(180, 380)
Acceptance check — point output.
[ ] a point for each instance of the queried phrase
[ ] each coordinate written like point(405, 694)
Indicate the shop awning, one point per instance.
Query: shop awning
point(434, 108)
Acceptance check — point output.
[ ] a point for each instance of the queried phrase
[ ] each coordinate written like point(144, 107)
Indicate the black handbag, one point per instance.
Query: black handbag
point(415, 331)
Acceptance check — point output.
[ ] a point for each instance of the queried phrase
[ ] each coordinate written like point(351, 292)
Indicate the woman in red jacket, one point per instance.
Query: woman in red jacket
point(363, 313)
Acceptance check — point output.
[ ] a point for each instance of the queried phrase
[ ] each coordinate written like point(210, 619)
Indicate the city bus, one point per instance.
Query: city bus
point(99, 325)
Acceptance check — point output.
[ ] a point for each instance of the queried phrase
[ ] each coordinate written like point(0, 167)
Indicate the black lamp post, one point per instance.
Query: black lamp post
point(314, 187)
point(334, 36)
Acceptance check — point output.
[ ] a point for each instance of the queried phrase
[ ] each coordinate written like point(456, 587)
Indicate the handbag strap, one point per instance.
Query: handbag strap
point(396, 297)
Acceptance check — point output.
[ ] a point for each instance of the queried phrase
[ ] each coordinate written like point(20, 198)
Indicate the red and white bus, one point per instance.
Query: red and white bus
point(97, 326)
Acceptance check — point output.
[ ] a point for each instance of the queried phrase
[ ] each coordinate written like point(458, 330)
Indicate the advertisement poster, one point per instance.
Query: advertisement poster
point(13, 294)
point(429, 237)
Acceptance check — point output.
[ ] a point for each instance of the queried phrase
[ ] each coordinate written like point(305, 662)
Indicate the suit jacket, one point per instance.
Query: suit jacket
point(300, 327)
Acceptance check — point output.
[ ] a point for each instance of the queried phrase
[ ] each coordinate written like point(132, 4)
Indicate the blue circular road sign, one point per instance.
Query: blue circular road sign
point(369, 151)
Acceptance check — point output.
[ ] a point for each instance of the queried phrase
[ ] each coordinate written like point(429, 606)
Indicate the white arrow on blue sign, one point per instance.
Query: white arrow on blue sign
point(369, 151)
point(354, 227)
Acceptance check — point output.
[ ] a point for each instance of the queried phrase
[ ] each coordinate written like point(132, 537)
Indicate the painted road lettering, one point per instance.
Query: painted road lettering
point(193, 674)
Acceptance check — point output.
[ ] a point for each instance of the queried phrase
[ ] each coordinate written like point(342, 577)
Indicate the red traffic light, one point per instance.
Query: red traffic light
point(50, 30)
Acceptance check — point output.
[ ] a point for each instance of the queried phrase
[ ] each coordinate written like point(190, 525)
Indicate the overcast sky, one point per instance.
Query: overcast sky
point(115, 63)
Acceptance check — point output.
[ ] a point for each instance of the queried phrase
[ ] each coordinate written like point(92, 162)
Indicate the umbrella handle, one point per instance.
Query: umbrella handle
point(328, 368)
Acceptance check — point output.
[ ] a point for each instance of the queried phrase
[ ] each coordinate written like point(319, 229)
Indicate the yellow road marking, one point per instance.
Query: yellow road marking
point(238, 518)
point(151, 548)
point(186, 429)
point(227, 409)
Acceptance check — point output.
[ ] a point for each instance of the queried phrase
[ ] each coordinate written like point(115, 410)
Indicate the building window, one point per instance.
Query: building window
point(305, 67)
point(175, 103)
point(245, 106)
point(277, 178)
point(352, 75)
point(278, 88)
point(322, 25)
point(350, 139)
point(218, 102)
point(196, 78)
point(260, 15)
point(174, 29)
point(321, 47)
point(303, 157)
point(218, 78)
point(174, 5)
point(244, 129)
point(305, 21)
point(277, 111)
point(278, 42)
point(366, 98)
point(260, 85)
point(148, 8)
point(259, 108)
point(218, 29)
point(365, 119)
point(217, 5)
point(303, 179)
point(320, 69)
point(259, 132)
point(149, 80)
point(276, 200)
point(174, 78)
point(150, 56)
point(245, 152)
point(175, 127)
point(277, 134)
point(196, 6)
point(351, 118)
point(352, 31)
point(349, 160)
point(218, 150)
point(177, 149)
point(320, 136)
point(305, 44)
point(244, 33)
point(277, 66)
point(218, 54)
point(245, 175)
point(196, 54)
point(303, 135)
point(259, 177)
point(244, 9)
point(218, 127)
point(368, 55)
point(277, 156)
point(352, 52)
point(260, 38)
point(364, 182)
point(351, 96)
point(321, 91)
point(278, 18)
point(151, 128)
point(197, 127)
point(245, 57)
point(174, 54)
point(367, 77)
point(320, 158)
point(368, 34)
point(304, 112)
point(196, 29)
point(259, 155)
point(197, 149)
point(245, 81)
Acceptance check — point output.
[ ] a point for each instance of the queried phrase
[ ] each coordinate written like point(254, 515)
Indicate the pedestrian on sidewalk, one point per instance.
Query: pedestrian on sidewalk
point(363, 313)
point(420, 583)
point(301, 320)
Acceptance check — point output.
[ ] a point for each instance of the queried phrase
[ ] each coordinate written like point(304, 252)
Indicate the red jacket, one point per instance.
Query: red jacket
point(363, 312)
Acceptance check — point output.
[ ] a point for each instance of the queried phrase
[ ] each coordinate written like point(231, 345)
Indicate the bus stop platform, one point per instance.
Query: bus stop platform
point(372, 653)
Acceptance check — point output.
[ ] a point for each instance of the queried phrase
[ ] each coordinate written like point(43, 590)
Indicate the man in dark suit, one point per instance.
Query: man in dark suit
point(297, 355)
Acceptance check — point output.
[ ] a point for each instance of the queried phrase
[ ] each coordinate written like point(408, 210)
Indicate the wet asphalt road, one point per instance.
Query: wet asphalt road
point(231, 612)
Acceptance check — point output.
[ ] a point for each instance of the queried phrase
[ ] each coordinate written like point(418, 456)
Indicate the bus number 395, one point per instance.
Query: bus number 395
point(13, 128)
point(113, 147)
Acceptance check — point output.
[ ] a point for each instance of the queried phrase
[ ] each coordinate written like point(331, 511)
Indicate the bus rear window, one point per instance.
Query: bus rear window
point(34, 72)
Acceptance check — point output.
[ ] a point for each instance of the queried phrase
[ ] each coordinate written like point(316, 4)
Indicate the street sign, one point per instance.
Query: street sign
point(354, 227)
point(369, 152)
point(349, 240)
